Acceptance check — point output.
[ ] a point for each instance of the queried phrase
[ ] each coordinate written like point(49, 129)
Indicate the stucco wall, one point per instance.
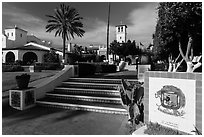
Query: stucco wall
point(54, 81)
point(6, 51)
point(39, 54)
point(19, 54)
point(176, 78)
point(16, 38)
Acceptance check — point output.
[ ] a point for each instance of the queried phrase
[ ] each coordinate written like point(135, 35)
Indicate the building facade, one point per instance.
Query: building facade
point(17, 45)
point(121, 33)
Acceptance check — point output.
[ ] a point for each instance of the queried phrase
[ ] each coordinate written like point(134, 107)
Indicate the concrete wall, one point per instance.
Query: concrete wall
point(40, 54)
point(18, 36)
point(121, 34)
point(53, 81)
point(19, 55)
point(196, 78)
point(15, 52)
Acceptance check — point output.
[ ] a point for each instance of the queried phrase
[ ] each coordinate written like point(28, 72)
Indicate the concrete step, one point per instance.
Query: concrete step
point(112, 100)
point(97, 80)
point(82, 105)
point(90, 85)
point(89, 92)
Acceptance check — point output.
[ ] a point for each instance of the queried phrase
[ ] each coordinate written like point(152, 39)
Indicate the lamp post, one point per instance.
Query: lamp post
point(136, 59)
point(108, 32)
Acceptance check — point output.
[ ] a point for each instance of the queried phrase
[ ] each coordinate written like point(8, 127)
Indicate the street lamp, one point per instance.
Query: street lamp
point(136, 59)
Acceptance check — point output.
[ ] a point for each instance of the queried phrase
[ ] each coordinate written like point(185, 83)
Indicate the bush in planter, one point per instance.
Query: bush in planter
point(22, 81)
point(11, 68)
point(86, 69)
point(108, 68)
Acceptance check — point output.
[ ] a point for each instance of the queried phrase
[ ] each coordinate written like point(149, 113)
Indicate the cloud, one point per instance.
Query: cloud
point(141, 26)
point(32, 24)
point(142, 23)
point(96, 32)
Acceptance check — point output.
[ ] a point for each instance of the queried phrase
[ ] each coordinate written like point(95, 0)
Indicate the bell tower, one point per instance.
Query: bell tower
point(121, 33)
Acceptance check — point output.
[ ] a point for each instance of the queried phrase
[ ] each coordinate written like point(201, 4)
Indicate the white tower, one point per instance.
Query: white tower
point(17, 36)
point(121, 33)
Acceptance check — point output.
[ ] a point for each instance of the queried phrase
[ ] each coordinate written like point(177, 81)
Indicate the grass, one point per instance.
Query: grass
point(9, 82)
point(157, 129)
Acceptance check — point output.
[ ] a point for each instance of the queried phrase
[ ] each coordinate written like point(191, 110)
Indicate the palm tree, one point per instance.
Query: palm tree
point(66, 22)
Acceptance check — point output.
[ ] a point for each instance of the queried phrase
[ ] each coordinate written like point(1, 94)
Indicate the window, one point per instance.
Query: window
point(120, 37)
point(12, 34)
point(118, 29)
point(121, 29)
point(7, 34)
point(21, 35)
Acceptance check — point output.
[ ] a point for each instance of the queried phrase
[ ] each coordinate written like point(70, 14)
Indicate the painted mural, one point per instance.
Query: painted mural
point(172, 103)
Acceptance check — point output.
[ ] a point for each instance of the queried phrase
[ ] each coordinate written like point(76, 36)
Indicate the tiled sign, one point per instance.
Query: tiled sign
point(172, 103)
point(173, 100)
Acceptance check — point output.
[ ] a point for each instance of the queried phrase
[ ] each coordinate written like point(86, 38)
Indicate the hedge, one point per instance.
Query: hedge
point(11, 68)
point(86, 68)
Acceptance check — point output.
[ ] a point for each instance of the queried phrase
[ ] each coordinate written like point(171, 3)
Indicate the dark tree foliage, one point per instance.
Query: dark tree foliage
point(176, 22)
point(51, 57)
point(124, 49)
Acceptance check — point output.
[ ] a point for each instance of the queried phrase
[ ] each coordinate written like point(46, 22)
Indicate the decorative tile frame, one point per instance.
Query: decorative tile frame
point(175, 75)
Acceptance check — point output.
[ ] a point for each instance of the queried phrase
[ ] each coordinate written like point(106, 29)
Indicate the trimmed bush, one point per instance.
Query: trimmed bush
point(159, 67)
point(108, 68)
point(86, 69)
point(11, 68)
point(48, 66)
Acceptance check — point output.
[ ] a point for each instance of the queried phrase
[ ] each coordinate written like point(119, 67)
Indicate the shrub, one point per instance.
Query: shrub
point(157, 129)
point(86, 69)
point(72, 58)
point(108, 68)
point(11, 68)
point(159, 67)
point(48, 66)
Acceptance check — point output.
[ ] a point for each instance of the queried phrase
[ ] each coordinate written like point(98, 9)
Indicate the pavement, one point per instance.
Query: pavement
point(52, 121)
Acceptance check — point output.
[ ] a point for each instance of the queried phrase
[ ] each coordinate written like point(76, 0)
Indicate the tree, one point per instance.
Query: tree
point(123, 49)
point(66, 22)
point(51, 57)
point(179, 30)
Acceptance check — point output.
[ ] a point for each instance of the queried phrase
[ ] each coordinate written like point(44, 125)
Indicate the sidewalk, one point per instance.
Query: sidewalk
point(53, 121)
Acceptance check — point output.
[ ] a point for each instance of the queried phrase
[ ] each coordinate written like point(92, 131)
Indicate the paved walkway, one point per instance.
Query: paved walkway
point(53, 121)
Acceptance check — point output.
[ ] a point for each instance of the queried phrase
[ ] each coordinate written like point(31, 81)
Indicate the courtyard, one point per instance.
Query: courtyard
point(141, 76)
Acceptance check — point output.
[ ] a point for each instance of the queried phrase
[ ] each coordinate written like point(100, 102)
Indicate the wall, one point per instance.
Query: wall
point(190, 84)
point(19, 54)
point(53, 81)
point(39, 54)
point(16, 38)
point(6, 51)
point(121, 33)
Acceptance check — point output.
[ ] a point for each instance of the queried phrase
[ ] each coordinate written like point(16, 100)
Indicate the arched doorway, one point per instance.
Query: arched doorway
point(29, 58)
point(10, 57)
point(103, 57)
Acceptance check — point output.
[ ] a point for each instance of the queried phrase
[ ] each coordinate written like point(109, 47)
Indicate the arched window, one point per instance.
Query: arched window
point(10, 57)
point(29, 58)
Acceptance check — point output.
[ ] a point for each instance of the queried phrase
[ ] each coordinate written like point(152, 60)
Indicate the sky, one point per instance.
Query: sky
point(140, 18)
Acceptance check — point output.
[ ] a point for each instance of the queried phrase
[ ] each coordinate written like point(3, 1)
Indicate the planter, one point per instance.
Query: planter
point(22, 81)
point(22, 99)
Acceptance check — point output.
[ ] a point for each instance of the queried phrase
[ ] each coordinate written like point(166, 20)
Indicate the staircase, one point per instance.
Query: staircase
point(87, 94)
